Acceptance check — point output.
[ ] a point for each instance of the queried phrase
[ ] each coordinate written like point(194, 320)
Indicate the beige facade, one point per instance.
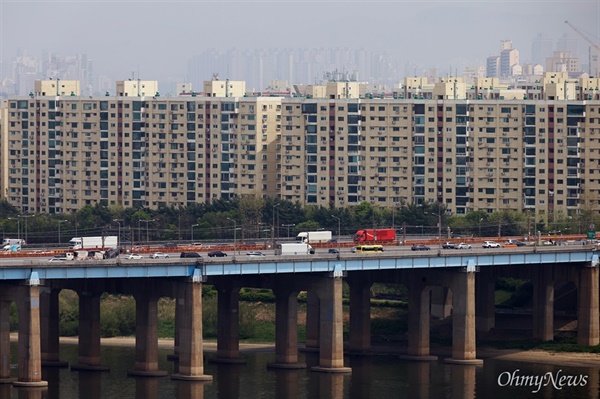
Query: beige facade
point(562, 61)
point(224, 88)
point(56, 88)
point(137, 88)
point(483, 153)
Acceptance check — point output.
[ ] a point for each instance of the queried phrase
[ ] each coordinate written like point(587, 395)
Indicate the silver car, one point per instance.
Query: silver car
point(159, 255)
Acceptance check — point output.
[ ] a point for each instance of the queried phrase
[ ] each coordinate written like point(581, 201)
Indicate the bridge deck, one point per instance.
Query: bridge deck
point(120, 268)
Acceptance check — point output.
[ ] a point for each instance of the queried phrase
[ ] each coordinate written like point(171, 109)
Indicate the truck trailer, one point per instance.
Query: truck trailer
point(375, 235)
point(294, 248)
point(93, 242)
point(313, 237)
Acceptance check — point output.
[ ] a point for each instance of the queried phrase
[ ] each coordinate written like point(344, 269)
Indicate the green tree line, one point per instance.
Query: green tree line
point(257, 218)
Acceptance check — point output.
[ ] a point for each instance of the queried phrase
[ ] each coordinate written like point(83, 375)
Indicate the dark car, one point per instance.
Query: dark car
point(333, 251)
point(112, 253)
point(190, 255)
point(218, 254)
point(420, 247)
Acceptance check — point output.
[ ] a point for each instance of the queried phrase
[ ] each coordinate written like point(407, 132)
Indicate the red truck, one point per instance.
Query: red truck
point(378, 235)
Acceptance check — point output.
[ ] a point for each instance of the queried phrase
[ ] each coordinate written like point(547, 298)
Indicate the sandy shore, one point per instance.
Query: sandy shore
point(567, 359)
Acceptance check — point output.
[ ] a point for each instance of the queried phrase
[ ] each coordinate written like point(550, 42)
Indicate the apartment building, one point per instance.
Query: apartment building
point(469, 148)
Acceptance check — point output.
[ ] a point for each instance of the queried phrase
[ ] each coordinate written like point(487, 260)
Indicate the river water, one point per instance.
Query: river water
point(372, 377)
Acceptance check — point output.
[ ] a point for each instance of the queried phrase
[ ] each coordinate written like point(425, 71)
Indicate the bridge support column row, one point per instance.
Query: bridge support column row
point(286, 330)
point(462, 284)
point(89, 332)
point(331, 344)
point(543, 304)
point(191, 356)
point(588, 326)
point(360, 314)
point(228, 324)
point(312, 321)
point(485, 302)
point(30, 355)
point(146, 337)
point(463, 319)
point(418, 320)
point(49, 327)
point(441, 302)
point(5, 342)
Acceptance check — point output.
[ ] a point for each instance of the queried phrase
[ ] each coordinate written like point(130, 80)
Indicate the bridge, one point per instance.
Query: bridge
point(460, 283)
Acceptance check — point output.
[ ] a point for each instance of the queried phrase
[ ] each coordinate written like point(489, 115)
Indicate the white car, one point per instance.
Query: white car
point(57, 259)
point(133, 256)
point(491, 244)
point(159, 255)
point(462, 245)
point(255, 254)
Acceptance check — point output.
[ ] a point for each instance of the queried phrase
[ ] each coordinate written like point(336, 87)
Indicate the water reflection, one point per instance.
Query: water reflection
point(31, 393)
point(372, 377)
point(190, 390)
point(286, 383)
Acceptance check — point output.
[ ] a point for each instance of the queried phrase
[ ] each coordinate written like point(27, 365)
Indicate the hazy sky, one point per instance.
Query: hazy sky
point(158, 37)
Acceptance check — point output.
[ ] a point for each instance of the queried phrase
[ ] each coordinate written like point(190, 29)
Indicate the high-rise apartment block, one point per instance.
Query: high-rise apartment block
point(483, 147)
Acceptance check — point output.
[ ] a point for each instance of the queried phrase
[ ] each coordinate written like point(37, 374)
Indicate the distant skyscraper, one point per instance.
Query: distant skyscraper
point(567, 42)
point(492, 67)
point(301, 65)
point(541, 48)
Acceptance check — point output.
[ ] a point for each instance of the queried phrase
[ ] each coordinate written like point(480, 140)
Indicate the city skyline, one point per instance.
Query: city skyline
point(455, 35)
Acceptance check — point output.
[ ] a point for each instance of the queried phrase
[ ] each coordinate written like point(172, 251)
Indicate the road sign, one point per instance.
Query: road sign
point(591, 235)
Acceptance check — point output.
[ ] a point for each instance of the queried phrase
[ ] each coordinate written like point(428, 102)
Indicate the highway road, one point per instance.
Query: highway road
point(321, 253)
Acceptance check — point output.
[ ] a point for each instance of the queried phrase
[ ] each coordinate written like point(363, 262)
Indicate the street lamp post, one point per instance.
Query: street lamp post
point(25, 217)
point(147, 221)
point(194, 225)
point(480, 220)
point(59, 222)
point(339, 229)
point(234, 236)
point(273, 223)
point(439, 215)
point(119, 235)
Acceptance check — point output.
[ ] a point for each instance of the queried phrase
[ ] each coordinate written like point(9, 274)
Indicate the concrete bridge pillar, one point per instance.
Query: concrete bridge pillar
point(49, 328)
point(441, 302)
point(191, 357)
point(5, 342)
point(588, 312)
point(418, 320)
point(312, 321)
point(228, 324)
point(462, 284)
point(179, 313)
point(360, 314)
point(286, 329)
point(146, 337)
point(89, 332)
point(331, 339)
point(485, 302)
point(30, 353)
point(543, 304)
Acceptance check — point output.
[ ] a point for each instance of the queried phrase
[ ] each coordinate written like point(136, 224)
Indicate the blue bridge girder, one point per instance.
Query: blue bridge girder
point(168, 268)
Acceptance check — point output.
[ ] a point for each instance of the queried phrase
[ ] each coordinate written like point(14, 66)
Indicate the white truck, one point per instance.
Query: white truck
point(93, 242)
point(294, 248)
point(312, 237)
point(12, 244)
